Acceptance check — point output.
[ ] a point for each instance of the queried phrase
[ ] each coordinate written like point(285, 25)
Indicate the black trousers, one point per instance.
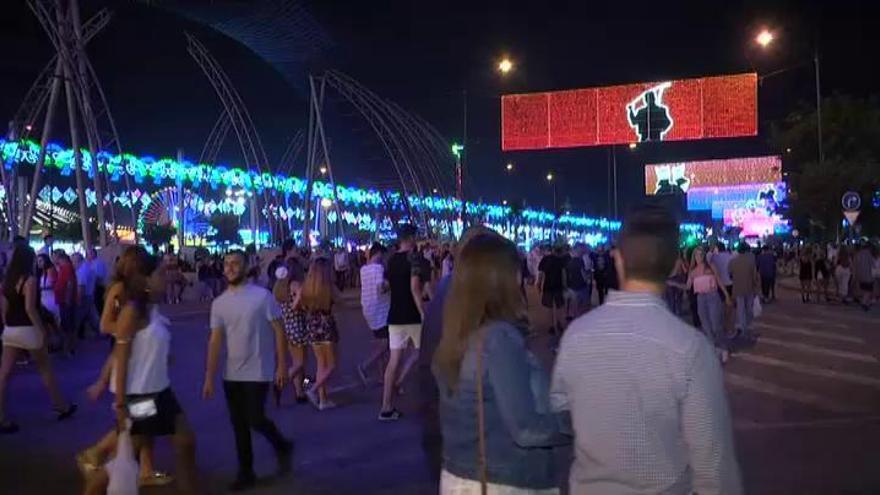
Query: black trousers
point(768, 286)
point(246, 402)
point(601, 289)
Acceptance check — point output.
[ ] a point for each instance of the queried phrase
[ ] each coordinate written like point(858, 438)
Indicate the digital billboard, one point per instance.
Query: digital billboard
point(684, 109)
point(673, 177)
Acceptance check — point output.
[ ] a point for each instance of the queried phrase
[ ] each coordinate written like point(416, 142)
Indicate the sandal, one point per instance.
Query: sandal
point(66, 413)
point(8, 427)
point(156, 478)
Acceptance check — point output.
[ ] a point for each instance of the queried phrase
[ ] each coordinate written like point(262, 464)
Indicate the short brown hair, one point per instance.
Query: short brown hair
point(649, 243)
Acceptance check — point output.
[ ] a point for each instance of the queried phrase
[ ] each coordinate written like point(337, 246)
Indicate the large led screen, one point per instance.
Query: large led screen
point(674, 177)
point(685, 109)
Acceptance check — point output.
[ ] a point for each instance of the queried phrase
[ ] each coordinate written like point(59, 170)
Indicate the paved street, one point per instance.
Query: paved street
point(806, 403)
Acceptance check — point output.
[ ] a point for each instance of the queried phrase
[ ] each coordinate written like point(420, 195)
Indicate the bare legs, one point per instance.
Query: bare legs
point(379, 354)
point(41, 358)
point(392, 380)
point(297, 369)
point(325, 354)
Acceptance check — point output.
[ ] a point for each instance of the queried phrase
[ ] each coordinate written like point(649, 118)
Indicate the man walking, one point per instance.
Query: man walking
point(405, 316)
point(248, 319)
point(744, 278)
point(644, 389)
point(766, 262)
point(551, 284)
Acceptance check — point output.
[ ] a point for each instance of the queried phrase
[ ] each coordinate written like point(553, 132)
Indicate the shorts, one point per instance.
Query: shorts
point(27, 338)
point(164, 422)
point(579, 296)
point(399, 334)
point(553, 298)
point(381, 333)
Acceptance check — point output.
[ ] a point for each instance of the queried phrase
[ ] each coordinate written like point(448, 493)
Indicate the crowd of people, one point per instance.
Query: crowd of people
point(457, 315)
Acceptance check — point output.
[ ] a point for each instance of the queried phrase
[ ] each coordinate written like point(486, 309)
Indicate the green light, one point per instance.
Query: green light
point(457, 149)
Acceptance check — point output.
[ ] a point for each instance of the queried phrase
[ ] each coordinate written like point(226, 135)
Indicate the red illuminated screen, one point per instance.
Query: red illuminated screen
point(686, 109)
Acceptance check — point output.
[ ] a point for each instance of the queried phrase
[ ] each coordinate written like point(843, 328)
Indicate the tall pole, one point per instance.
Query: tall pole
point(461, 160)
point(88, 118)
point(614, 166)
point(818, 106)
point(44, 139)
point(179, 214)
point(310, 166)
point(74, 131)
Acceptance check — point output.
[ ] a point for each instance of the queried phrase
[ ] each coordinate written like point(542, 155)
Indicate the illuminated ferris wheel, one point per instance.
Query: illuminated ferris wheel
point(163, 209)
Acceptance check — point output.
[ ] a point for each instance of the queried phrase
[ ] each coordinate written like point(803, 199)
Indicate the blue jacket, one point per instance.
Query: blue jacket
point(520, 429)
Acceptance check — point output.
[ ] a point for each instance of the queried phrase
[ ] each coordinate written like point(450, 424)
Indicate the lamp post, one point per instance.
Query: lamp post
point(552, 182)
point(765, 38)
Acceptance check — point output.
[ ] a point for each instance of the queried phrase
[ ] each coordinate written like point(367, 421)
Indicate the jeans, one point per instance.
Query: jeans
point(87, 312)
point(711, 311)
point(744, 313)
point(246, 402)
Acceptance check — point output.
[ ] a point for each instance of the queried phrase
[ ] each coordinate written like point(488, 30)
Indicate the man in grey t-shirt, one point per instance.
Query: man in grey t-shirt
point(248, 318)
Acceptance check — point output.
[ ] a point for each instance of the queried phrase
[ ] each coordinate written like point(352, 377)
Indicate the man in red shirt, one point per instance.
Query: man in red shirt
point(66, 296)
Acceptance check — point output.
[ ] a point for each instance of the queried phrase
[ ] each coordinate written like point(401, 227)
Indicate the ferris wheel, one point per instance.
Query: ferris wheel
point(163, 210)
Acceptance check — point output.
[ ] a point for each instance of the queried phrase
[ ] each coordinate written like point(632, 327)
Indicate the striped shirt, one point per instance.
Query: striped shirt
point(647, 403)
point(374, 303)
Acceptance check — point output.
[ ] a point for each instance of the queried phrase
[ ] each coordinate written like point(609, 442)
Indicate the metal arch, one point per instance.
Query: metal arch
point(249, 140)
point(215, 139)
point(240, 119)
point(294, 148)
point(84, 80)
point(35, 99)
point(367, 108)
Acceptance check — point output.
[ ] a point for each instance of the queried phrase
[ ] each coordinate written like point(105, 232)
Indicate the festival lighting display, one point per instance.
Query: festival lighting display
point(364, 209)
point(705, 198)
point(685, 109)
point(670, 177)
point(755, 221)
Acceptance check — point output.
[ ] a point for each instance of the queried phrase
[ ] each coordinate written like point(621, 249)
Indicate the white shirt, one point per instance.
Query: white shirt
point(148, 363)
point(374, 303)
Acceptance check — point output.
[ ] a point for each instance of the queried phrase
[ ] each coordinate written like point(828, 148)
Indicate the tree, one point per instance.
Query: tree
point(72, 231)
point(225, 229)
point(159, 235)
point(851, 144)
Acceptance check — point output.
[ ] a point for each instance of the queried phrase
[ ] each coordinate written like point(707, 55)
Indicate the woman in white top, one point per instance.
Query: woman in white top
point(140, 372)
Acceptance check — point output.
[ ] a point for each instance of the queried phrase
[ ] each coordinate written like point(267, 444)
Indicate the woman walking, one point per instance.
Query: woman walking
point(140, 373)
point(498, 431)
point(25, 331)
point(316, 300)
point(807, 273)
point(50, 311)
point(706, 284)
point(286, 292)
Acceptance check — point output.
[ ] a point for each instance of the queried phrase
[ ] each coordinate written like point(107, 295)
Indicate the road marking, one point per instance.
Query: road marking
point(810, 370)
point(800, 346)
point(811, 333)
point(748, 425)
point(779, 392)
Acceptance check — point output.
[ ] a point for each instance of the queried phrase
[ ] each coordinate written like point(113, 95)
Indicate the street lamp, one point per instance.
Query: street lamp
point(632, 146)
point(552, 183)
point(764, 38)
point(323, 170)
point(509, 167)
point(505, 65)
point(504, 202)
point(326, 203)
point(550, 177)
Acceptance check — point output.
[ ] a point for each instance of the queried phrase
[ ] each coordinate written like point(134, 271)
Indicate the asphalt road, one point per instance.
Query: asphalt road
point(806, 404)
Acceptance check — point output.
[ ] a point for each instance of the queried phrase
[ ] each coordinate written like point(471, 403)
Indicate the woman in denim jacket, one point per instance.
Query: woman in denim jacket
point(485, 311)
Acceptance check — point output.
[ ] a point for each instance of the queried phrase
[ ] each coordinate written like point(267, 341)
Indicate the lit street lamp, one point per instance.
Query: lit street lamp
point(504, 202)
point(632, 146)
point(509, 167)
point(326, 203)
point(764, 38)
point(323, 170)
point(505, 65)
point(552, 183)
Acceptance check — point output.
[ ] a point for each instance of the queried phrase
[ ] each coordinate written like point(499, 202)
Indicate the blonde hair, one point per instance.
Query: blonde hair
point(317, 289)
point(485, 287)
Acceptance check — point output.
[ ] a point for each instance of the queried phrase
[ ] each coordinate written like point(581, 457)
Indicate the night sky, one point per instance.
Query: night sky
point(423, 55)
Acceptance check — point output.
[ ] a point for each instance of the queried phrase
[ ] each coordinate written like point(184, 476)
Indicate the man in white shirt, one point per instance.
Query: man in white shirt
point(247, 317)
point(86, 311)
point(375, 303)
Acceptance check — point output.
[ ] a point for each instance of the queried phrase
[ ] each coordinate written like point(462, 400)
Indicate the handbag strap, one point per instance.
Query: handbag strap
point(481, 419)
